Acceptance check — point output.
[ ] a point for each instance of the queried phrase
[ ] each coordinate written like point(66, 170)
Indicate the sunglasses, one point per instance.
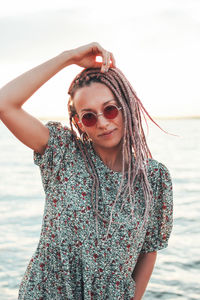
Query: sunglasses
point(90, 118)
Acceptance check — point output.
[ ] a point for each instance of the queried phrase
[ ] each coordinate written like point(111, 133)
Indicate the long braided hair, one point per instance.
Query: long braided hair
point(134, 141)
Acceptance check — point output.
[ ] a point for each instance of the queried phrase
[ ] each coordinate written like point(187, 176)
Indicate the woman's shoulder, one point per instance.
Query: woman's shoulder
point(157, 170)
point(61, 143)
point(60, 132)
point(57, 126)
point(63, 138)
point(154, 164)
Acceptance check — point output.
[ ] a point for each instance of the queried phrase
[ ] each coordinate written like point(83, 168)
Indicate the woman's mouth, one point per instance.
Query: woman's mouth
point(107, 133)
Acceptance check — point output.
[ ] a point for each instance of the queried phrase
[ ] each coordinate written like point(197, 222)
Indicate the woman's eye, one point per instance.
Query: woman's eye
point(89, 116)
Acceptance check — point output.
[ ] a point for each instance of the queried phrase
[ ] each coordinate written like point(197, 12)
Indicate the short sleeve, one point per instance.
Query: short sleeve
point(161, 217)
point(58, 144)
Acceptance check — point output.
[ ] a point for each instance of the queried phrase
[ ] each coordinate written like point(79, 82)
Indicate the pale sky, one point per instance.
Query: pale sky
point(156, 45)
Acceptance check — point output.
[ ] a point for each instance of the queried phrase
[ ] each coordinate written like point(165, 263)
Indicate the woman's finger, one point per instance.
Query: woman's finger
point(97, 49)
point(105, 61)
point(113, 60)
point(108, 61)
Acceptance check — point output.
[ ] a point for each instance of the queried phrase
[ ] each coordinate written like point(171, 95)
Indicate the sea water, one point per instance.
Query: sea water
point(176, 273)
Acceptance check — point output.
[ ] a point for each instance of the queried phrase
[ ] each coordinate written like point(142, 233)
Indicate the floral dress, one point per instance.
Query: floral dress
point(71, 262)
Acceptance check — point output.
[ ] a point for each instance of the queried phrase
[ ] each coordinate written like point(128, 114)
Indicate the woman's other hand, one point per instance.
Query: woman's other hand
point(85, 56)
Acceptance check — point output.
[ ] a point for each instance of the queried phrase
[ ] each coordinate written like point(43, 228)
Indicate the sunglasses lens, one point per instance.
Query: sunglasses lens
point(110, 112)
point(89, 119)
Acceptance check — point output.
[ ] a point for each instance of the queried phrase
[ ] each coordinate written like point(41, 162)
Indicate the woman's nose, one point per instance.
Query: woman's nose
point(102, 121)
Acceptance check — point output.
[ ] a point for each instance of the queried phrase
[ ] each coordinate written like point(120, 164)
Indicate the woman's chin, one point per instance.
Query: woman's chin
point(108, 144)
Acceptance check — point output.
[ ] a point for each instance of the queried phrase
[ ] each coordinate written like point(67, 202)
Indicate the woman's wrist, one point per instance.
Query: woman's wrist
point(67, 58)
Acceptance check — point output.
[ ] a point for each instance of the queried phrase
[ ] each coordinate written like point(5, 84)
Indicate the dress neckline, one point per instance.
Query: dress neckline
point(99, 162)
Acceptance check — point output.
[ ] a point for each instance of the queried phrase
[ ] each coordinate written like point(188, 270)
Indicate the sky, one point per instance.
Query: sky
point(156, 44)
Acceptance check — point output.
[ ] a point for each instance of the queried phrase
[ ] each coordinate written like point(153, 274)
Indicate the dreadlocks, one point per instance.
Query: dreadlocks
point(134, 141)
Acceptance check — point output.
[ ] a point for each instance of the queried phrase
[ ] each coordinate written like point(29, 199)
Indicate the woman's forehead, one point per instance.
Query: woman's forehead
point(89, 97)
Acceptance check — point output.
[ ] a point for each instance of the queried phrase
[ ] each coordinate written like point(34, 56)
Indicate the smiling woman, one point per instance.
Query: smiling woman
point(108, 205)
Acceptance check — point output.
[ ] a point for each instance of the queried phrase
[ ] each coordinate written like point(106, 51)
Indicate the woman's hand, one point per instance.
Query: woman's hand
point(85, 56)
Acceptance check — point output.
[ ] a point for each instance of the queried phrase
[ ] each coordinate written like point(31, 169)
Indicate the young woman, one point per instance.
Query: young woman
point(108, 205)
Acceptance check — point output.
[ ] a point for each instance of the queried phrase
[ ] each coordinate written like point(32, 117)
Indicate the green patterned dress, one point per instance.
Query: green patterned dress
point(71, 262)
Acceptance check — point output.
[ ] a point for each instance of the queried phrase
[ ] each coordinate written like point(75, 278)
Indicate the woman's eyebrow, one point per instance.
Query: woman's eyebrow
point(89, 109)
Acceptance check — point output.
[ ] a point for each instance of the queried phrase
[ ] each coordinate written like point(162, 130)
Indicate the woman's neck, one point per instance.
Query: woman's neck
point(112, 157)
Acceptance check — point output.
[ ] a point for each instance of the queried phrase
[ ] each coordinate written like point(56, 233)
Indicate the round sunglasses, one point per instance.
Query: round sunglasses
point(90, 118)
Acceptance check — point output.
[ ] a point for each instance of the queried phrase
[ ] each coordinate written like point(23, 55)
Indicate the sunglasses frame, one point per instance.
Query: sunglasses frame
point(99, 114)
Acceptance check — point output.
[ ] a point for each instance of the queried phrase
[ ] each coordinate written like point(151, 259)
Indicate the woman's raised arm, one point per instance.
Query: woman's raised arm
point(13, 95)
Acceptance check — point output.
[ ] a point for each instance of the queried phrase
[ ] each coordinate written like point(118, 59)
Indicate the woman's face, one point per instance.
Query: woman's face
point(106, 133)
